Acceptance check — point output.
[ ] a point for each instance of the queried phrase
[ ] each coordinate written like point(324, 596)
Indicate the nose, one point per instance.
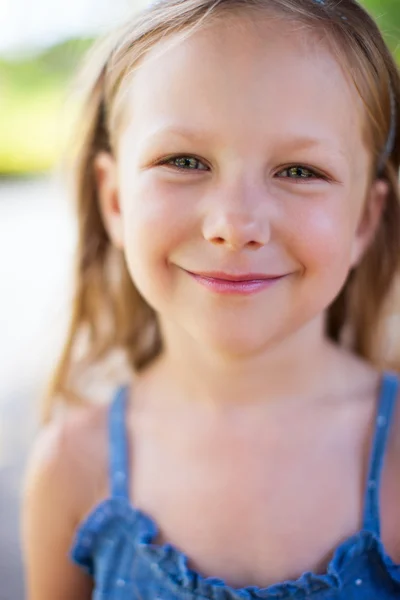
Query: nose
point(237, 220)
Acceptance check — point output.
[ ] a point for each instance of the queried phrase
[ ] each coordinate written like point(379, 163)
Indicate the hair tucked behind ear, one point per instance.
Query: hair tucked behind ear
point(108, 312)
point(371, 295)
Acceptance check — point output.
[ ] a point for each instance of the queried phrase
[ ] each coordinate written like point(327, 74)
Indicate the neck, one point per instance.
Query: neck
point(294, 368)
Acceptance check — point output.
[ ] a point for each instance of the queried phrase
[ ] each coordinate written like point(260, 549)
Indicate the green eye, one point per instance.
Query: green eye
point(298, 172)
point(186, 163)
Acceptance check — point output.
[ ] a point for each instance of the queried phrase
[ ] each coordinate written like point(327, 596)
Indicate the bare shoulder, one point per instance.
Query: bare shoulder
point(66, 477)
point(390, 501)
point(70, 453)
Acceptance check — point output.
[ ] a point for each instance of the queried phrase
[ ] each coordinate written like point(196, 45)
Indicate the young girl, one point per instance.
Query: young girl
point(239, 226)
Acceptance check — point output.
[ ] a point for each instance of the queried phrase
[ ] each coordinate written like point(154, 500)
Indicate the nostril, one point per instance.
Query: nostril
point(254, 245)
point(218, 240)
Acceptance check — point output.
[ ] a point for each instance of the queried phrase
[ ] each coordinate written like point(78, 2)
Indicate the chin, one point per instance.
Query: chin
point(235, 341)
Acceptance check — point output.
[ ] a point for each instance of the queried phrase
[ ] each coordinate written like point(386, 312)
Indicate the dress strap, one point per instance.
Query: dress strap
point(386, 405)
point(118, 445)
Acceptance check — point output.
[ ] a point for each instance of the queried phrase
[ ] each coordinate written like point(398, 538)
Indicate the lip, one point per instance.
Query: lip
point(239, 284)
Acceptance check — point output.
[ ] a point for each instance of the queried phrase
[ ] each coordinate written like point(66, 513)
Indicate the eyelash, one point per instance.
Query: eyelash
point(171, 159)
point(313, 175)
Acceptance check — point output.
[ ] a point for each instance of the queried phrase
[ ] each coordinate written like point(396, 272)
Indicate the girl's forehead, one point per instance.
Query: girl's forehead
point(245, 77)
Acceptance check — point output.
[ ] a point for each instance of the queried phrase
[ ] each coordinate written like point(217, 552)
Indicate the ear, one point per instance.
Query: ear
point(370, 219)
point(106, 175)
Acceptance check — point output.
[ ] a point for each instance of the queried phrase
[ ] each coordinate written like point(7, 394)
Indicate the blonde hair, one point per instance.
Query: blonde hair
point(107, 310)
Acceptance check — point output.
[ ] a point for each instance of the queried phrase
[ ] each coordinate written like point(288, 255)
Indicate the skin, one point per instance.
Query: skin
point(246, 114)
point(221, 433)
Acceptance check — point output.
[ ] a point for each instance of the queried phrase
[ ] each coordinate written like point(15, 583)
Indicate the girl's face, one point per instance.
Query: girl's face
point(242, 156)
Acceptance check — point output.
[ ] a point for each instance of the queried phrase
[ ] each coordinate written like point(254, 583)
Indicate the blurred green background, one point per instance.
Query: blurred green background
point(33, 90)
point(41, 45)
point(32, 96)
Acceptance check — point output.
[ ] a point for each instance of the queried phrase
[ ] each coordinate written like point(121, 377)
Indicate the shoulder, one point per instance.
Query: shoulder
point(390, 501)
point(65, 479)
point(393, 380)
point(69, 460)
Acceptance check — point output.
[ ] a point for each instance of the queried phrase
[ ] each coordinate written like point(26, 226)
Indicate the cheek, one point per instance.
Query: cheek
point(322, 240)
point(155, 222)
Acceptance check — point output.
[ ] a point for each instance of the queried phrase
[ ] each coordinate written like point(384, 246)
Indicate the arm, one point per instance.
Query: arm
point(49, 520)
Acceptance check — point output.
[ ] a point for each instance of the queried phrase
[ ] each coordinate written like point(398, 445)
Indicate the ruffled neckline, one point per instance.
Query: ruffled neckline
point(169, 563)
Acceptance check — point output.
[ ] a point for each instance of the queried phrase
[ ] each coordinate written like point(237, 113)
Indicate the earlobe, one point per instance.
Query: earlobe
point(106, 175)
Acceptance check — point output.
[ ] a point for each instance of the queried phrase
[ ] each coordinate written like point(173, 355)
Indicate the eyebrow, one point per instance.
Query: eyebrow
point(296, 142)
point(301, 142)
point(172, 130)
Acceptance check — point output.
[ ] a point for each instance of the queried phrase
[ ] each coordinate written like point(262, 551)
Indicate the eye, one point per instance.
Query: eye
point(298, 172)
point(185, 163)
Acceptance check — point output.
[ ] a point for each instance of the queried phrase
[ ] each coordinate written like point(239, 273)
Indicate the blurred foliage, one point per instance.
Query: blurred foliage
point(387, 14)
point(33, 90)
point(32, 95)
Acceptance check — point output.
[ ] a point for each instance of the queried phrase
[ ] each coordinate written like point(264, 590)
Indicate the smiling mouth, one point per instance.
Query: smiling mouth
point(242, 284)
